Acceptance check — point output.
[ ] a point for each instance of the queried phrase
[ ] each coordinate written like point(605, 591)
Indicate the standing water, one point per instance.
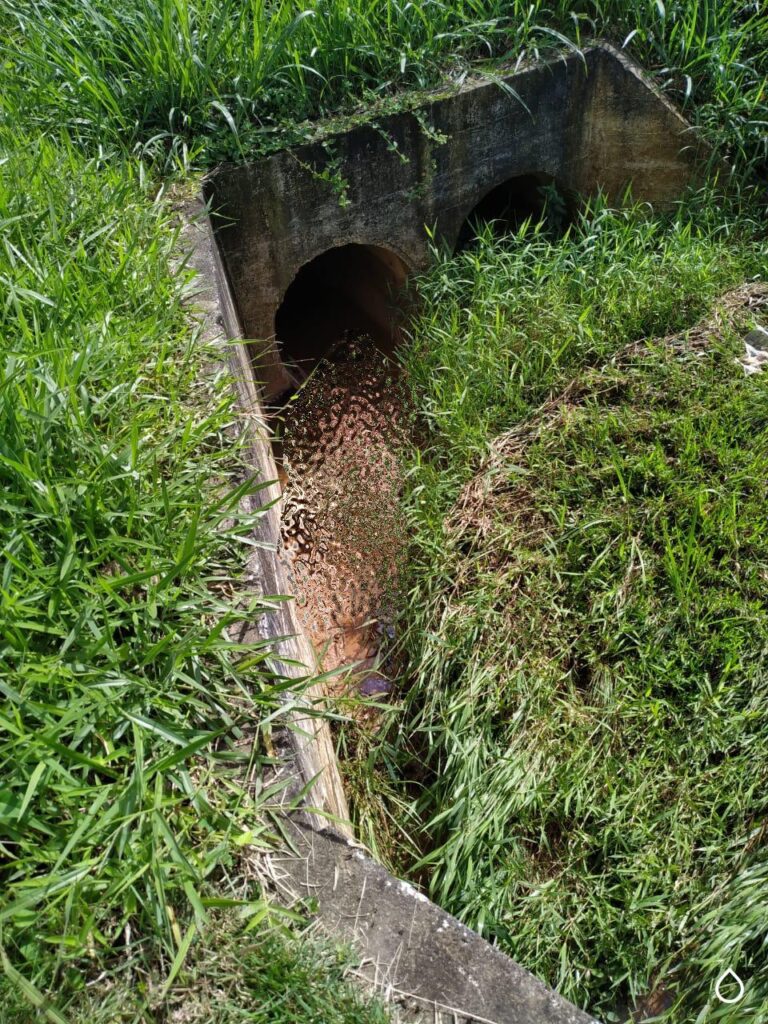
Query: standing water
point(342, 528)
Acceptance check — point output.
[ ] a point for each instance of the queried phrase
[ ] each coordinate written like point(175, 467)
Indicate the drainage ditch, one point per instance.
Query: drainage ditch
point(339, 433)
point(341, 528)
point(320, 284)
point(317, 286)
point(340, 430)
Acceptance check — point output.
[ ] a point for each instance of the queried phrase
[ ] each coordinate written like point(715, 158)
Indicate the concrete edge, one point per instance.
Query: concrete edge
point(418, 957)
point(306, 747)
point(591, 52)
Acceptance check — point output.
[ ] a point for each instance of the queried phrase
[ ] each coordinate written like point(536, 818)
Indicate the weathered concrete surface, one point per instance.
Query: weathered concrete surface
point(415, 954)
point(587, 121)
point(306, 750)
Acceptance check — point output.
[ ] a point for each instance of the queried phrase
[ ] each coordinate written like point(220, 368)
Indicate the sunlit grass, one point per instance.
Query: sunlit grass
point(586, 629)
point(122, 540)
point(230, 977)
point(196, 80)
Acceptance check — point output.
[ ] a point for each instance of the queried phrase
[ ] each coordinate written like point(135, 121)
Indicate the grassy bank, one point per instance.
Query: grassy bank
point(129, 718)
point(583, 729)
point(122, 537)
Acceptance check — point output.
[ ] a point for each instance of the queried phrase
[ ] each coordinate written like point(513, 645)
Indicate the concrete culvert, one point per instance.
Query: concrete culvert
point(348, 292)
point(505, 208)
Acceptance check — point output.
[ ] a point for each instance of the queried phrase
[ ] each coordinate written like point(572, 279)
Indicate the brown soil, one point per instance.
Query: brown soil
point(341, 526)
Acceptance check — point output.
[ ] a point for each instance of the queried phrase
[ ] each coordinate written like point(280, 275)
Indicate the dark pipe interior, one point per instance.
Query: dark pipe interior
point(343, 294)
point(508, 205)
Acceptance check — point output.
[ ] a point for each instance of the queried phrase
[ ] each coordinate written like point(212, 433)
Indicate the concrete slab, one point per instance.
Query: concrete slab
point(418, 956)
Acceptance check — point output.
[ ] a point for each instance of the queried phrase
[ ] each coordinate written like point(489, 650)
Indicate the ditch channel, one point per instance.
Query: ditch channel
point(339, 436)
point(311, 261)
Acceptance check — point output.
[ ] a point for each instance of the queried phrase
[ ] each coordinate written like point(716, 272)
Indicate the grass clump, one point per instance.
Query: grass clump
point(231, 977)
point(502, 325)
point(586, 629)
point(197, 80)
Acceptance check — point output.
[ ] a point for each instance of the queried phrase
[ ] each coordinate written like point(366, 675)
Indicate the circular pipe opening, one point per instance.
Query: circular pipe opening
point(348, 293)
point(507, 206)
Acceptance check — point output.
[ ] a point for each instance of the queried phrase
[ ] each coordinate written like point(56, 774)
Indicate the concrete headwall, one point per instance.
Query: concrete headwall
point(587, 121)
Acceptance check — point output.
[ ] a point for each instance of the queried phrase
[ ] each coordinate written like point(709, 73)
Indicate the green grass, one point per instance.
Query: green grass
point(584, 723)
point(122, 541)
point(501, 326)
point(229, 978)
point(196, 80)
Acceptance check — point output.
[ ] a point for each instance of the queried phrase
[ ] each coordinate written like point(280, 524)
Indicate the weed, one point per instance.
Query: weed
point(201, 80)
